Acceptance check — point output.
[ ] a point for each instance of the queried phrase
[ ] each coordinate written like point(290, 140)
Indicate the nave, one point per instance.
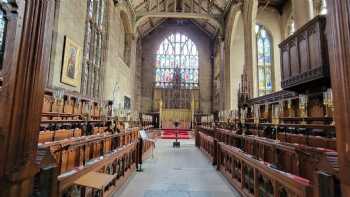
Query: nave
point(177, 172)
point(261, 87)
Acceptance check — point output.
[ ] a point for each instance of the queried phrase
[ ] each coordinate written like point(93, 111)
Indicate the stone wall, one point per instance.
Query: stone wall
point(70, 21)
point(150, 45)
point(119, 77)
point(270, 19)
point(236, 60)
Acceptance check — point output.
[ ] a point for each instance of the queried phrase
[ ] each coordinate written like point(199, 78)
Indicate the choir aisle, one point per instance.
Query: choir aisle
point(183, 172)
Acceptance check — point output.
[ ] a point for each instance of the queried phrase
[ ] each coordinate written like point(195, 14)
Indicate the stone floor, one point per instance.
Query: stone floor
point(181, 172)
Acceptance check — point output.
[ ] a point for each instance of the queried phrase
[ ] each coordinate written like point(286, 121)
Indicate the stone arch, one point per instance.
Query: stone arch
point(233, 47)
point(128, 35)
point(126, 19)
point(237, 60)
point(288, 14)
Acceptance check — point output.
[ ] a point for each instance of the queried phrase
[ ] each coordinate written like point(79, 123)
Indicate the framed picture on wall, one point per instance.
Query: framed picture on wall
point(71, 68)
point(127, 102)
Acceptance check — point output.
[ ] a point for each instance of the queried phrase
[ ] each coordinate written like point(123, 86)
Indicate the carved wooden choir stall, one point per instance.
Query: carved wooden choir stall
point(77, 141)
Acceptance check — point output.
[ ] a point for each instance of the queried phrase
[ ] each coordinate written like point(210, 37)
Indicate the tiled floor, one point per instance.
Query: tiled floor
point(181, 172)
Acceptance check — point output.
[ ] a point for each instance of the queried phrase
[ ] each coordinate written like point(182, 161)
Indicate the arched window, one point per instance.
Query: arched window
point(177, 62)
point(94, 48)
point(264, 60)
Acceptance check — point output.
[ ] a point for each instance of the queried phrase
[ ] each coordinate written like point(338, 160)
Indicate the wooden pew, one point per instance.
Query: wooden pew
point(99, 153)
point(314, 141)
point(252, 177)
point(293, 158)
point(77, 151)
point(54, 130)
point(120, 163)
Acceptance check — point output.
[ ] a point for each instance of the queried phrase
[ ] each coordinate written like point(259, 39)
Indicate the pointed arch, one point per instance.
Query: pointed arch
point(128, 36)
point(234, 37)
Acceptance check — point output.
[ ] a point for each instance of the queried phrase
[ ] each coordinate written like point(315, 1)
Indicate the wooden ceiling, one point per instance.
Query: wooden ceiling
point(218, 10)
point(277, 4)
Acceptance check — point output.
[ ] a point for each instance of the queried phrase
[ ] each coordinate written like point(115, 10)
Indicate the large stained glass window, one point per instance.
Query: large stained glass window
point(177, 63)
point(264, 60)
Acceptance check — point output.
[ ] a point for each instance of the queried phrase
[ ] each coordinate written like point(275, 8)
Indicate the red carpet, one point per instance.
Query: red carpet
point(171, 134)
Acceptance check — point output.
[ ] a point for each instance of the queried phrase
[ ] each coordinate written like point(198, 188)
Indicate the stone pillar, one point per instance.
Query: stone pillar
point(28, 50)
point(224, 75)
point(138, 73)
point(303, 12)
point(127, 48)
point(250, 8)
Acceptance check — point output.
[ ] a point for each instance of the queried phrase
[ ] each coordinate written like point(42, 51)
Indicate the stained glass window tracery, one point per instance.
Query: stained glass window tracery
point(264, 60)
point(177, 62)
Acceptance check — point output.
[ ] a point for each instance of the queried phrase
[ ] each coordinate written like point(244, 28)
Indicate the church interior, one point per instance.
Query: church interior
point(174, 98)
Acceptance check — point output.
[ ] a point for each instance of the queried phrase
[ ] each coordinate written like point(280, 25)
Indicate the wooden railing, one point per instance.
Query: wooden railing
point(256, 178)
point(290, 157)
point(78, 151)
point(206, 144)
point(114, 154)
point(120, 163)
point(302, 162)
point(315, 135)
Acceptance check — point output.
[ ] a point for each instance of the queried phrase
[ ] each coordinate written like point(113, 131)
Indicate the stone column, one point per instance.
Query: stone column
point(250, 8)
point(303, 12)
point(224, 75)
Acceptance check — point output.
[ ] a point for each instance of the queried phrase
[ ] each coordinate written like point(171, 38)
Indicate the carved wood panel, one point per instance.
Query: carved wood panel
point(339, 44)
point(305, 56)
point(29, 33)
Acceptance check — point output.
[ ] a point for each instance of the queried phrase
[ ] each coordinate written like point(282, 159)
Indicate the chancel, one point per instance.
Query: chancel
point(146, 98)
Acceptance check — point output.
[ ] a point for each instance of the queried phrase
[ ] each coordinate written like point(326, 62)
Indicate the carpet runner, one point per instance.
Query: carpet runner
point(171, 134)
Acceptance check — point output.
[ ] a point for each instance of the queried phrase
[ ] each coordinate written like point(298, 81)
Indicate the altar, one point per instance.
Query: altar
point(182, 116)
point(176, 100)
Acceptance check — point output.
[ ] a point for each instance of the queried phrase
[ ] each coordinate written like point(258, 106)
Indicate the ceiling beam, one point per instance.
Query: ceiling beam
point(144, 16)
point(146, 32)
point(151, 22)
point(139, 5)
point(229, 5)
point(200, 6)
point(217, 7)
point(210, 34)
point(207, 23)
point(156, 6)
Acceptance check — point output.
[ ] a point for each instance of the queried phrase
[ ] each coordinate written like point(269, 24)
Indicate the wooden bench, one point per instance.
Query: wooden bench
point(252, 177)
point(298, 160)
